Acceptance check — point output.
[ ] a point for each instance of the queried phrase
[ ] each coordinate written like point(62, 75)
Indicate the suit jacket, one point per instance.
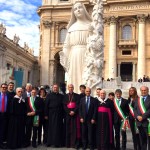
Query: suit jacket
point(66, 101)
point(91, 114)
point(125, 108)
point(39, 105)
point(146, 115)
point(24, 95)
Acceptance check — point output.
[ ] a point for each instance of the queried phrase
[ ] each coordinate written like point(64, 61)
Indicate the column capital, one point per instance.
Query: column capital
point(113, 19)
point(47, 23)
point(52, 62)
point(141, 18)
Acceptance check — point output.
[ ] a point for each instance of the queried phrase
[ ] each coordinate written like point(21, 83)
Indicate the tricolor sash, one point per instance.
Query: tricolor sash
point(33, 109)
point(132, 113)
point(125, 121)
point(143, 111)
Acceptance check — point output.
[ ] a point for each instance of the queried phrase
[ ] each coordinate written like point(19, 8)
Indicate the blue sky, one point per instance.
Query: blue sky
point(20, 18)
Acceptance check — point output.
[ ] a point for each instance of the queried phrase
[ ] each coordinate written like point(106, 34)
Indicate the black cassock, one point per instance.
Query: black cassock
point(72, 123)
point(105, 125)
point(55, 113)
point(16, 126)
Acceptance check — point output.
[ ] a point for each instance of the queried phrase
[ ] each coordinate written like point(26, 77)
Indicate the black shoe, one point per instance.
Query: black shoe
point(39, 143)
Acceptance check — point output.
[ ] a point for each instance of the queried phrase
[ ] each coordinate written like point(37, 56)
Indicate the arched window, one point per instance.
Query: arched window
point(127, 32)
point(63, 33)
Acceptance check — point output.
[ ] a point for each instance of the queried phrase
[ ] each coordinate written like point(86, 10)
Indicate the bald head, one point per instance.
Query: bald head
point(144, 90)
point(87, 91)
point(102, 94)
point(70, 88)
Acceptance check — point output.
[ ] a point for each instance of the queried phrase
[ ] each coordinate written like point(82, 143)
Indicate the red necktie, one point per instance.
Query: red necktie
point(3, 103)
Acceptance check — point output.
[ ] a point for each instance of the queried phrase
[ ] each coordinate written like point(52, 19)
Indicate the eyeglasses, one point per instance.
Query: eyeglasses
point(4, 87)
point(19, 91)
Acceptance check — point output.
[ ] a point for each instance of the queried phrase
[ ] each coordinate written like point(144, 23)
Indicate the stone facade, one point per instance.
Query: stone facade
point(126, 38)
point(16, 59)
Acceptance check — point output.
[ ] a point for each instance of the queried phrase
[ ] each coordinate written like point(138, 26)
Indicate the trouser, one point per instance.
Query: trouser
point(87, 135)
point(117, 136)
point(135, 136)
point(144, 138)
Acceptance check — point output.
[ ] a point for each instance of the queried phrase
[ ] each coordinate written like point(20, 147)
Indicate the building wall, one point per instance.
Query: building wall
point(55, 15)
point(15, 58)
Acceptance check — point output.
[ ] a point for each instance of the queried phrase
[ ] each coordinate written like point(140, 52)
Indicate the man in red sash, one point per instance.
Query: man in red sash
point(120, 114)
point(142, 115)
point(35, 108)
point(87, 111)
point(72, 121)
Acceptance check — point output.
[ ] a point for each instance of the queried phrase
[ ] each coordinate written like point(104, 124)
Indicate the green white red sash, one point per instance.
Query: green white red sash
point(132, 113)
point(33, 109)
point(143, 111)
point(125, 121)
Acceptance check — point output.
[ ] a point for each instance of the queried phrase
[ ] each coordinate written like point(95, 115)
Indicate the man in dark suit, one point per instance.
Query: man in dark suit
point(124, 107)
point(87, 113)
point(35, 107)
point(82, 90)
point(142, 118)
point(4, 103)
point(27, 92)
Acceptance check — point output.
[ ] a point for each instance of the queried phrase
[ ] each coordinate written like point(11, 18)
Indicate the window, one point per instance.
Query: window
point(126, 52)
point(63, 33)
point(127, 32)
point(8, 66)
point(20, 69)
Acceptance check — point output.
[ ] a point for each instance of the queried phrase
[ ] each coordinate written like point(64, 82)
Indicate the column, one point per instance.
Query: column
point(112, 49)
point(141, 46)
point(119, 69)
point(52, 71)
point(133, 72)
point(45, 52)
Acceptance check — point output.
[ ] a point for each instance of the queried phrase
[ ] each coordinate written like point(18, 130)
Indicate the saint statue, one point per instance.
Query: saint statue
point(75, 46)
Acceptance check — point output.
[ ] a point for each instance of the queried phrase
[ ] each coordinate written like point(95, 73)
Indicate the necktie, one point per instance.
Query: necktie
point(3, 103)
point(119, 101)
point(143, 99)
point(87, 104)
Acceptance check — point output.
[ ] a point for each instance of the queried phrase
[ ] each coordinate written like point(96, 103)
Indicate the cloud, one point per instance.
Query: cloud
point(20, 18)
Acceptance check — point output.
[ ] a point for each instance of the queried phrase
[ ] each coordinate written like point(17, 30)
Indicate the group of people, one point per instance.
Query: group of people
point(73, 120)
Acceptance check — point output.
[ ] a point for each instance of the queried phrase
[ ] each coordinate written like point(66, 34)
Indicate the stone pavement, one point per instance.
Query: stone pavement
point(42, 147)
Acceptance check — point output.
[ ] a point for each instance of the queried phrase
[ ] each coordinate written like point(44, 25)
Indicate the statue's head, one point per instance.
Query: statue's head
point(78, 12)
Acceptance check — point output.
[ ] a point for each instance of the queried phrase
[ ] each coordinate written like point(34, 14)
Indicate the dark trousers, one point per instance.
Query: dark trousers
point(144, 138)
point(3, 127)
point(87, 135)
point(135, 136)
point(45, 131)
point(29, 124)
point(34, 137)
point(117, 136)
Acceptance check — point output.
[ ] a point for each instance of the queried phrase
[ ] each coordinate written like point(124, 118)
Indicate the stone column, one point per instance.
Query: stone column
point(52, 71)
point(133, 72)
point(141, 46)
point(112, 49)
point(119, 69)
point(45, 52)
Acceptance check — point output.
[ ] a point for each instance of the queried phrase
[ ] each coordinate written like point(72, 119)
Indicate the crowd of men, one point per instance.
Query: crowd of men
point(73, 120)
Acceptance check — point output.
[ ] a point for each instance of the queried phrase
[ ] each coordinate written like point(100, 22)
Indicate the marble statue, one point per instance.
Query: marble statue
point(82, 55)
point(75, 45)
point(2, 29)
point(16, 39)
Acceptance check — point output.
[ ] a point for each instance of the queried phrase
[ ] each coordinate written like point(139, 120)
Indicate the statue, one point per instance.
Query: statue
point(16, 39)
point(75, 45)
point(82, 55)
point(94, 55)
point(26, 47)
point(2, 29)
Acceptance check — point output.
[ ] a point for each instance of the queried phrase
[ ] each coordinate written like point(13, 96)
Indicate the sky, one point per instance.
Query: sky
point(20, 18)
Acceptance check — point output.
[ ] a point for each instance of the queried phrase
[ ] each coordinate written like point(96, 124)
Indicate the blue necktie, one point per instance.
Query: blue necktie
point(87, 104)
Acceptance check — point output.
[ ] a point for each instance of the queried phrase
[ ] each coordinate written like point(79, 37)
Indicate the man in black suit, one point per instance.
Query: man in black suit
point(124, 107)
point(87, 113)
point(35, 107)
point(27, 92)
point(143, 117)
point(4, 103)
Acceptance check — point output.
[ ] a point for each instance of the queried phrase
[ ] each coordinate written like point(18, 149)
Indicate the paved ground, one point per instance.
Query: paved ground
point(42, 147)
